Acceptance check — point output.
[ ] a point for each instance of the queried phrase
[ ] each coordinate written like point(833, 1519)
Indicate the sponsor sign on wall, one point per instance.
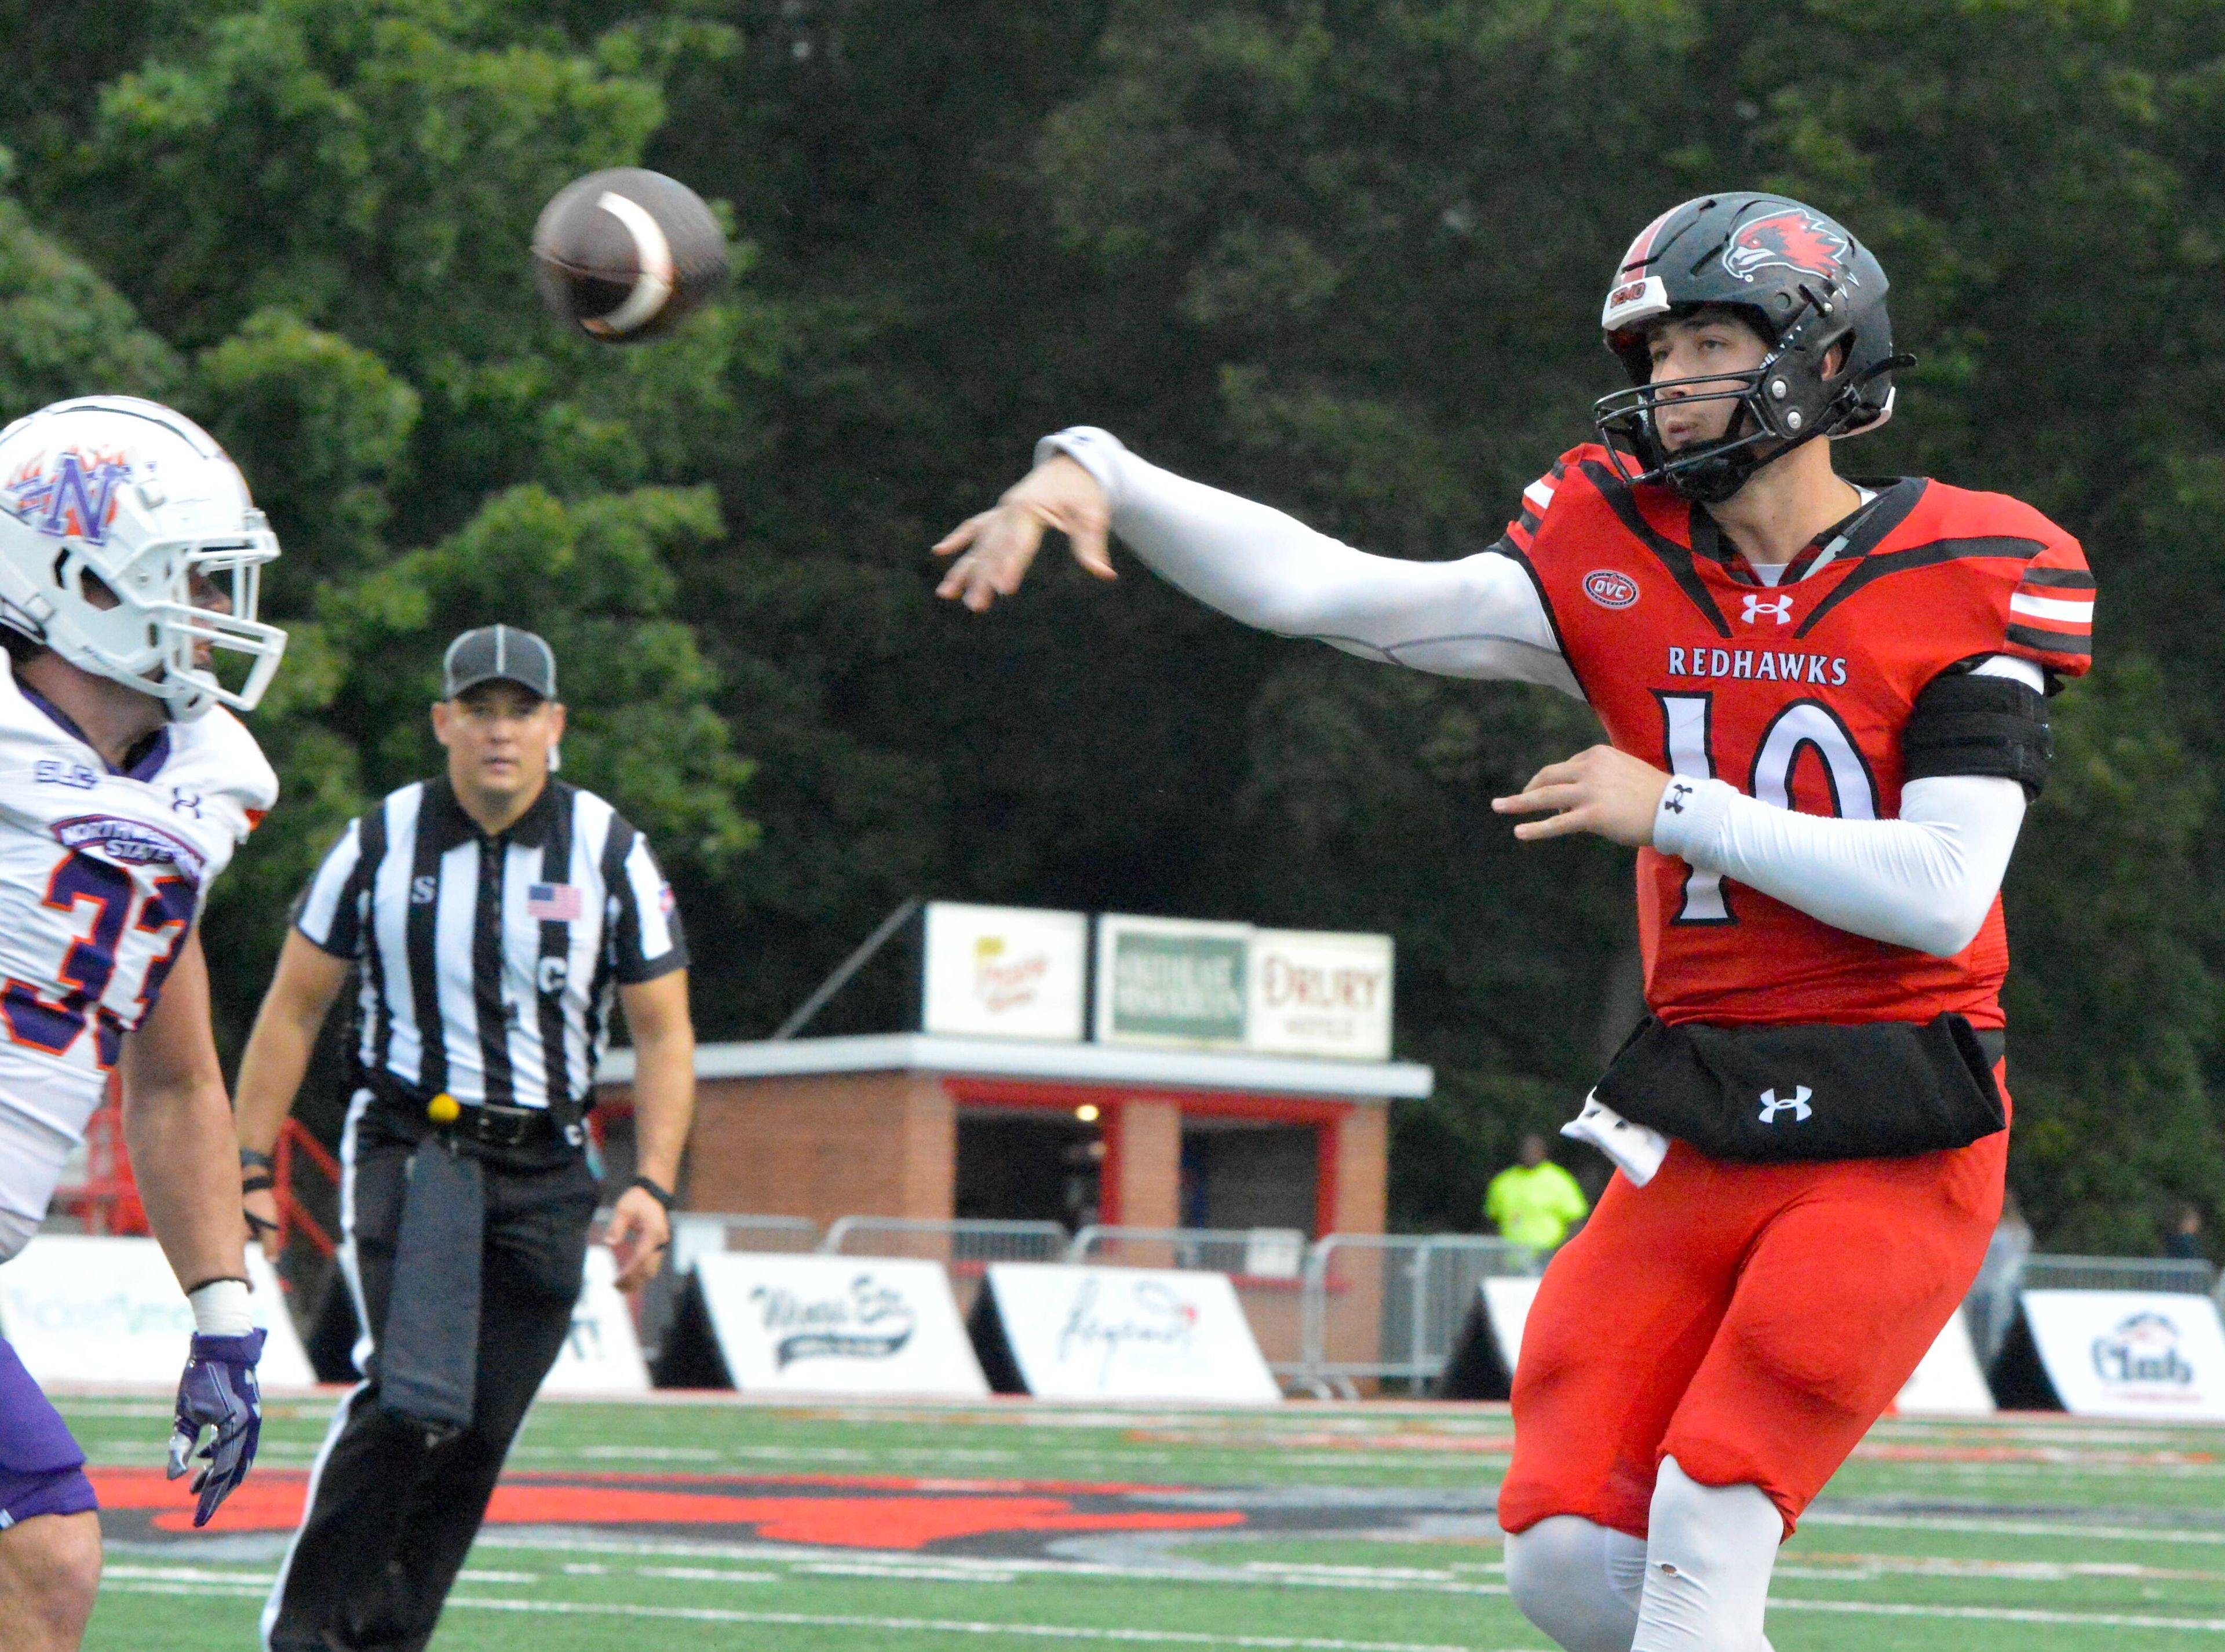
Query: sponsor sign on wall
point(1171, 981)
point(600, 1355)
point(2131, 1353)
point(80, 1309)
point(1005, 971)
point(1315, 993)
point(1128, 1334)
point(1947, 1382)
point(1230, 986)
point(838, 1325)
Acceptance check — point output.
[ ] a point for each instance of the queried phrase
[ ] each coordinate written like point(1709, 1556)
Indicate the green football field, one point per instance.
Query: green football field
point(708, 1523)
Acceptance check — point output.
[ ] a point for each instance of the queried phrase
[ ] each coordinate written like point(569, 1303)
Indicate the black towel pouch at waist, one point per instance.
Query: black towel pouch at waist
point(1774, 1093)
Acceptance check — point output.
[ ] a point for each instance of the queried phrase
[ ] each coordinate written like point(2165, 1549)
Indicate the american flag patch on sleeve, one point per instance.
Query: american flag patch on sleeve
point(552, 902)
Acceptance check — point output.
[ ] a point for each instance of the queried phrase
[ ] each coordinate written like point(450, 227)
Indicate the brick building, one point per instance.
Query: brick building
point(921, 1125)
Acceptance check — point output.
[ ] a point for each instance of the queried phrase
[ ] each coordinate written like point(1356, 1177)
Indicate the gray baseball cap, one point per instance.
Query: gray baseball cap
point(499, 654)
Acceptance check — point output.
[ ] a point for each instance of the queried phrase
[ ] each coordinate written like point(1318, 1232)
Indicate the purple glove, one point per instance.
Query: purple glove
point(219, 1391)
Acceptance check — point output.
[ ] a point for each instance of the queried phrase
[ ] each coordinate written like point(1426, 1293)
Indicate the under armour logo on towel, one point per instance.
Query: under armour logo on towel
point(1797, 1106)
point(1779, 609)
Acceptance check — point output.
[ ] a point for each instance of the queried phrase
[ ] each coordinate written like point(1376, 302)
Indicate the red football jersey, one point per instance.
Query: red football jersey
point(1795, 693)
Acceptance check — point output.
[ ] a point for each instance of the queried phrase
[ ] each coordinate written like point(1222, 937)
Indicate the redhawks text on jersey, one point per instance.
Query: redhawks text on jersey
point(1798, 694)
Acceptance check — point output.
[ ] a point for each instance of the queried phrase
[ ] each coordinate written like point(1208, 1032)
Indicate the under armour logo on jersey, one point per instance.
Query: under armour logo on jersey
point(424, 891)
point(1797, 1106)
point(1778, 609)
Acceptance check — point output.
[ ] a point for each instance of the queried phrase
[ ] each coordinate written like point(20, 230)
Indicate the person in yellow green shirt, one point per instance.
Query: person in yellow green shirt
point(1536, 1202)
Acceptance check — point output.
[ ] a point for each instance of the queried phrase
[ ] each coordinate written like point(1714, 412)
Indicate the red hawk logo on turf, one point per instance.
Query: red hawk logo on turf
point(1792, 239)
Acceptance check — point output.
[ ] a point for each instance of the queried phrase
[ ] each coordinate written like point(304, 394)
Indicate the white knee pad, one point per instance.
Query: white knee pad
point(1578, 1581)
point(1708, 1561)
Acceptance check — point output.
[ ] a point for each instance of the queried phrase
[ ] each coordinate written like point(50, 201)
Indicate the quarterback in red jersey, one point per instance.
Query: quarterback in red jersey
point(1824, 705)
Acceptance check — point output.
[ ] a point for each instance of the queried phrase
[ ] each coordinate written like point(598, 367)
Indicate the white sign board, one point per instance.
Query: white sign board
point(1005, 971)
point(1315, 993)
point(80, 1309)
point(1947, 1382)
point(1506, 1305)
point(2131, 1353)
point(1128, 1334)
point(601, 1354)
point(838, 1325)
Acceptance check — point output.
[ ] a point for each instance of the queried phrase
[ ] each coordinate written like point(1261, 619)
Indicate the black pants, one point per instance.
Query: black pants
point(391, 1515)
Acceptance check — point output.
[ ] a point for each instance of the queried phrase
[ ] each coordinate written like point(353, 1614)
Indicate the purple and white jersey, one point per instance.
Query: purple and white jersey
point(102, 877)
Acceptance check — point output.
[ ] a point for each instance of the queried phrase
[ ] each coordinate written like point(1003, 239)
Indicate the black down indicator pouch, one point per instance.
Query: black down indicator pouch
point(1774, 1093)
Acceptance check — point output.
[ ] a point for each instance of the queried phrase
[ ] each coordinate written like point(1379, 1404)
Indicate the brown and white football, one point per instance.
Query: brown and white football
point(625, 255)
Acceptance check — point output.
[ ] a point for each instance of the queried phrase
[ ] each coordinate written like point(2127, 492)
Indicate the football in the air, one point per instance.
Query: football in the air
point(625, 255)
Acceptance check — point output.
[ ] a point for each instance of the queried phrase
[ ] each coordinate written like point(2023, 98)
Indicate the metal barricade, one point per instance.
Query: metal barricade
point(965, 1245)
point(1386, 1306)
point(1265, 1264)
point(2042, 1272)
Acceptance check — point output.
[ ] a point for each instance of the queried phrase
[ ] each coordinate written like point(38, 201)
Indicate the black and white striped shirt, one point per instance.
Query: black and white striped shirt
point(508, 949)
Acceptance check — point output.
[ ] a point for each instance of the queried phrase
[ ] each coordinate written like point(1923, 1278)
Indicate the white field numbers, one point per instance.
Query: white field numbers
point(1803, 724)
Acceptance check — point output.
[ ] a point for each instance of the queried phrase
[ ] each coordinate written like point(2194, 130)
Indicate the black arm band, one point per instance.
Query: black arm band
point(1963, 724)
point(660, 1195)
point(257, 1184)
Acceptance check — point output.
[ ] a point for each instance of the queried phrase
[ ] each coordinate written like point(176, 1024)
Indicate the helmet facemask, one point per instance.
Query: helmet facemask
point(1786, 400)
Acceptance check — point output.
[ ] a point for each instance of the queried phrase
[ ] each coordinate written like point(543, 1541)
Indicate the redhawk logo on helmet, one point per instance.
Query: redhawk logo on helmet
point(1798, 239)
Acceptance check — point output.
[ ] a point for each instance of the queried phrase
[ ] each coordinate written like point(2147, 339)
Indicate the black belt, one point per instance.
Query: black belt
point(484, 1124)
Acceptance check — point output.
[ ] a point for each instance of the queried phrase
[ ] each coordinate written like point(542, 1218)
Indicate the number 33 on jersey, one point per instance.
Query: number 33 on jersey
point(101, 878)
point(1797, 694)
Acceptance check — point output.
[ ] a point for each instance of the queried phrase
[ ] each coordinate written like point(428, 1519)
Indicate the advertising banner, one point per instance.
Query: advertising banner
point(601, 1354)
point(2131, 1353)
point(1315, 993)
point(1947, 1382)
point(836, 1325)
point(1127, 1333)
point(83, 1308)
point(1003, 971)
point(1171, 981)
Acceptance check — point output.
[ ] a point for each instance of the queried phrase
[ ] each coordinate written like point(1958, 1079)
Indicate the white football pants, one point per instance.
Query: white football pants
point(1698, 1583)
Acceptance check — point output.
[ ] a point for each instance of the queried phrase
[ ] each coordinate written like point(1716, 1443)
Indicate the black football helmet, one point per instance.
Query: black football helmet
point(1803, 282)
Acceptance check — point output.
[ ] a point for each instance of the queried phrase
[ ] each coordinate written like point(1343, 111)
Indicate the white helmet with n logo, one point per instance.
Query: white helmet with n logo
point(130, 546)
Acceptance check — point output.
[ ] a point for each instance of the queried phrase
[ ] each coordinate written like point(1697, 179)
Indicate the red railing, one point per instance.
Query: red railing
point(293, 1215)
point(106, 1197)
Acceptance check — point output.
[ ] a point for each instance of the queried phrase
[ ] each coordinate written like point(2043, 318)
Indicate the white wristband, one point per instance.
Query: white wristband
point(220, 1308)
point(1690, 818)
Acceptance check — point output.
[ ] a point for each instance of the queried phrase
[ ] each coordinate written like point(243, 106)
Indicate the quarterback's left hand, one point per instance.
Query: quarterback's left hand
point(219, 1391)
point(1600, 789)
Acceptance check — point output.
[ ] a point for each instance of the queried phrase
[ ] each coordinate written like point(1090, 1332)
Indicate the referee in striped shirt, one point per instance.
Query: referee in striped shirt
point(494, 913)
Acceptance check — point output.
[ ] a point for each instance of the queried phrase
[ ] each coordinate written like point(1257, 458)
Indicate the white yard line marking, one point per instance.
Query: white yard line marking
point(2014, 1528)
point(2001, 1615)
point(951, 1626)
point(698, 1575)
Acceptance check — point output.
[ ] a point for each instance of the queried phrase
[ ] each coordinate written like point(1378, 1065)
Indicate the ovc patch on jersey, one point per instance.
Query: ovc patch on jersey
point(53, 771)
point(130, 843)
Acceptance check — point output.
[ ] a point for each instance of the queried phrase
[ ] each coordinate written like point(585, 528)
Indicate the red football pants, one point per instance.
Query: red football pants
point(1750, 1320)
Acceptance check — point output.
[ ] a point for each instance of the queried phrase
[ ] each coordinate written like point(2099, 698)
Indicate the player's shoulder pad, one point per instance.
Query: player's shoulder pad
point(217, 757)
point(2045, 590)
point(1554, 487)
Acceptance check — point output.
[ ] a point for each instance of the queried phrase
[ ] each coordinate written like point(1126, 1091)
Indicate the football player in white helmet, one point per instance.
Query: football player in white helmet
point(129, 555)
